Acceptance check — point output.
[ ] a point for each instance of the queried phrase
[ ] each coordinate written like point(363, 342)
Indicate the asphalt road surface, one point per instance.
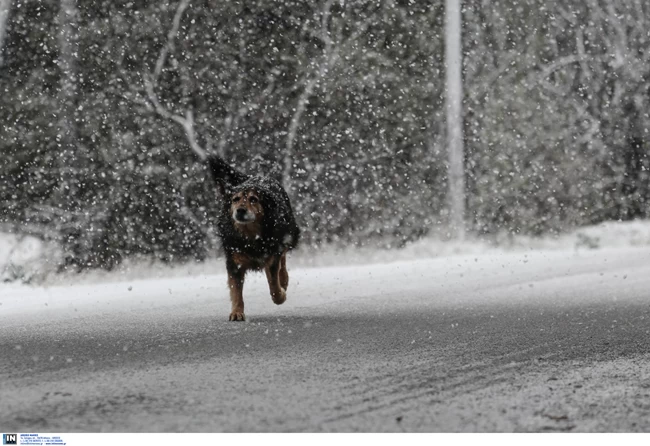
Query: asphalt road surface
point(551, 341)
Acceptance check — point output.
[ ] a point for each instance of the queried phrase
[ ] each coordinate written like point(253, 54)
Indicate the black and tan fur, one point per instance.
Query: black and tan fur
point(257, 229)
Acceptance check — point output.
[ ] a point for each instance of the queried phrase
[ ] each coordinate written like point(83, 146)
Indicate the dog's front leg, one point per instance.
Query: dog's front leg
point(272, 269)
point(236, 276)
point(284, 275)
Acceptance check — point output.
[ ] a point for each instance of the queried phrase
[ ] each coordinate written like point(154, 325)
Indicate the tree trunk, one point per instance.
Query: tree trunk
point(292, 133)
point(5, 5)
point(456, 172)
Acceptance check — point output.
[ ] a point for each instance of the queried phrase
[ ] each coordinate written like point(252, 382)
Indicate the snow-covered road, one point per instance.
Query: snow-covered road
point(537, 341)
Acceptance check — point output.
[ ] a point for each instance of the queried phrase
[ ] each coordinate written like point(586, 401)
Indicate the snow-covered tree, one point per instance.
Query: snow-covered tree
point(345, 99)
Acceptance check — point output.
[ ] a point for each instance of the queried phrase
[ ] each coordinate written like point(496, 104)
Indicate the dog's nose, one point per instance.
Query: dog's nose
point(241, 212)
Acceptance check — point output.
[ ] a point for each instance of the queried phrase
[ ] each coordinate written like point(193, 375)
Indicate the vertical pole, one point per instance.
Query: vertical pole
point(67, 138)
point(456, 174)
point(4, 18)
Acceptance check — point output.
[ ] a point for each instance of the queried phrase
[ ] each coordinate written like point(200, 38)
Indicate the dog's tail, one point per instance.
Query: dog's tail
point(224, 175)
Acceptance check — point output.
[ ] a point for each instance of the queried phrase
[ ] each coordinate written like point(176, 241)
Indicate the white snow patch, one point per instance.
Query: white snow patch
point(604, 235)
point(513, 278)
point(28, 262)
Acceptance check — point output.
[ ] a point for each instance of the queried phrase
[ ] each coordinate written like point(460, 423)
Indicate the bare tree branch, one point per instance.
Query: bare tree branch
point(186, 122)
point(171, 36)
point(329, 59)
point(621, 34)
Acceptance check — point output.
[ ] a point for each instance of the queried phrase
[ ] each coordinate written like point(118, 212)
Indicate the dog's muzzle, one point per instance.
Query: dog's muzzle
point(242, 215)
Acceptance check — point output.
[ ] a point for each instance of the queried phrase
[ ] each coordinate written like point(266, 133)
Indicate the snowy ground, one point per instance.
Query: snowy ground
point(25, 259)
point(551, 340)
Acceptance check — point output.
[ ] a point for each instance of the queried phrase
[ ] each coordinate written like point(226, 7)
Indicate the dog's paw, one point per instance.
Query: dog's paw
point(237, 316)
point(279, 299)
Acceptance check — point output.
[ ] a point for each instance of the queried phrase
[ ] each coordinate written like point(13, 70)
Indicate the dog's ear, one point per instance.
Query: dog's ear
point(225, 176)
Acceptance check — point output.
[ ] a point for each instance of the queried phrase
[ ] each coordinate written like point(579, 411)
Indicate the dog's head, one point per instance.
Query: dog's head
point(246, 208)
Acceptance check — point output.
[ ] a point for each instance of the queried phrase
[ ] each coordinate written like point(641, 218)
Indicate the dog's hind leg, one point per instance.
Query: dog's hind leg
point(236, 276)
point(272, 269)
point(284, 275)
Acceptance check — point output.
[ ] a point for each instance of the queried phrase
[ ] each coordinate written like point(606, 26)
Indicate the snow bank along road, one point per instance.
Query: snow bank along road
point(543, 341)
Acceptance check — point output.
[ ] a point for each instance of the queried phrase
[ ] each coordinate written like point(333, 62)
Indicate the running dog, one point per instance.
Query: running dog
point(257, 229)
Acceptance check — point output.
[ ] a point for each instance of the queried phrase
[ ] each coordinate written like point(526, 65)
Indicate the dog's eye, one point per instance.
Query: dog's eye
point(235, 199)
point(253, 200)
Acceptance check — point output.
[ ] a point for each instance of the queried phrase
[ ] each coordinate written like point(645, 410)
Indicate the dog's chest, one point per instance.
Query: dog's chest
point(248, 262)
